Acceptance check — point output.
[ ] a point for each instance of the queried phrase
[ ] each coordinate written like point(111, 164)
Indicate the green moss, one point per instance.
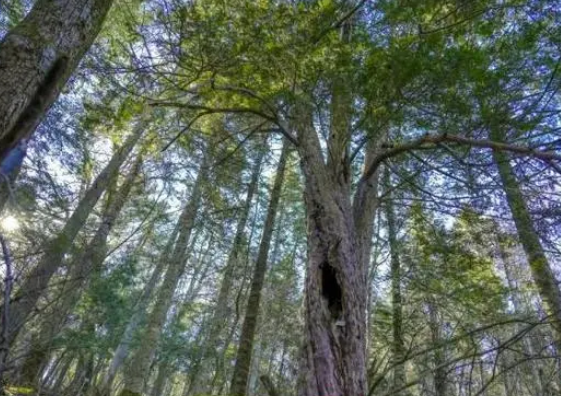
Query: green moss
point(19, 390)
point(126, 392)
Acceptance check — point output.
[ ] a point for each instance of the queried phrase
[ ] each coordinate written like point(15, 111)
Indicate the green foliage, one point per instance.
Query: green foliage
point(453, 267)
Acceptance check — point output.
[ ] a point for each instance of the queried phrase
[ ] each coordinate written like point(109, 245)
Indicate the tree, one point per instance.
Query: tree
point(139, 369)
point(87, 263)
point(37, 58)
point(447, 97)
point(243, 358)
point(38, 279)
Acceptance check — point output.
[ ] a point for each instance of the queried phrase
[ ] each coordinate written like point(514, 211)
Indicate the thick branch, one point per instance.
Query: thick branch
point(428, 141)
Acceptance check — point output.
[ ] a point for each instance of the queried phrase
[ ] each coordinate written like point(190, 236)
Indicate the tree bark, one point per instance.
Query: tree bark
point(37, 280)
point(90, 261)
point(243, 359)
point(38, 56)
point(334, 355)
point(138, 371)
point(539, 264)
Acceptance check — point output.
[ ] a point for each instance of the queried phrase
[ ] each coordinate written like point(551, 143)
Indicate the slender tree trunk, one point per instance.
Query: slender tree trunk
point(52, 368)
point(439, 355)
point(61, 375)
point(531, 367)
point(398, 346)
point(6, 190)
point(161, 380)
point(138, 371)
point(37, 280)
point(78, 375)
point(223, 302)
point(539, 265)
point(90, 261)
point(243, 359)
point(37, 58)
point(123, 348)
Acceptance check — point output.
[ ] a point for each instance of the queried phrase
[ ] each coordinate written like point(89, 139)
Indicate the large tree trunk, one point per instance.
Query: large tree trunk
point(138, 371)
point(38, 56)
point(38, 278)
point(539, 265)
point(90, 261)
point(243, 359)
point(334, 360)
point(398, 346)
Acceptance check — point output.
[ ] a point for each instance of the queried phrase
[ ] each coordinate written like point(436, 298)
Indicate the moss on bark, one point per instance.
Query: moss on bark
point(126, 392)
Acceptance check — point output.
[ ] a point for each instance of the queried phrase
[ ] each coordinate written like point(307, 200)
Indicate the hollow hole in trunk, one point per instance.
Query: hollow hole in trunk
point(331, 291)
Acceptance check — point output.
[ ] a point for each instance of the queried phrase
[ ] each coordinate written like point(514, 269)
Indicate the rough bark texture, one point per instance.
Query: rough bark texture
point(243, 359)
point(138, 371)
point(38, 56)
point(398, 346)
point(539, 265)
point(38, 279)
point(90, 261)
point(334, 361)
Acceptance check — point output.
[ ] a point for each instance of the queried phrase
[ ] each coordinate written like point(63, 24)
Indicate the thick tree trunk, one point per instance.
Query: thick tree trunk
point(38, 56)
point(539, 265)
point(90, 261)
point(138, 371)
point(398, 346)
point(336, 285)
point(38, 278)
point(243, 359)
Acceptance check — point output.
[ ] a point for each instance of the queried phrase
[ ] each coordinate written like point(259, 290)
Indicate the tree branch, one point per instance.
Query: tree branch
point(232, 110)
point(429, 141)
